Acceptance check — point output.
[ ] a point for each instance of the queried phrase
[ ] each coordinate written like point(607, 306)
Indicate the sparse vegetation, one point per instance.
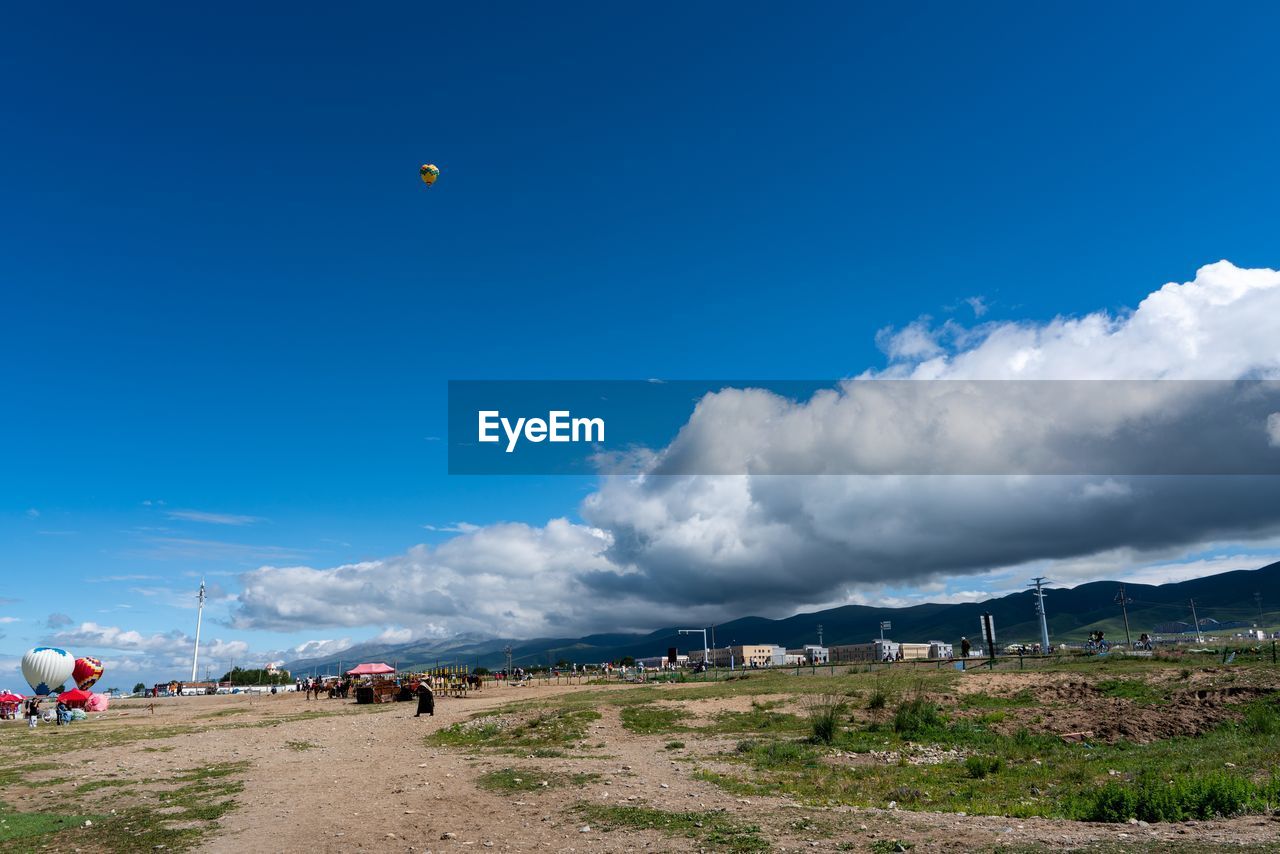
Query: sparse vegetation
point(980, 766)
point(825, 713)
point(916, 717)
point(549, 730)
point(714, 829)
point(649, 719)
point(531, 780)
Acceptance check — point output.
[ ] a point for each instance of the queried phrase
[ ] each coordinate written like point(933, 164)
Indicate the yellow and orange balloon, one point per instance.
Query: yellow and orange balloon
point(429, 172)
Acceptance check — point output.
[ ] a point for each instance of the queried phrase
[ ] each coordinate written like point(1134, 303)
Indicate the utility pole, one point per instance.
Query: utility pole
point(507, 651)
point(1199, 637)
point(1124, 607)
point(1257, 600)
point(1038, 583)
point(195, 655)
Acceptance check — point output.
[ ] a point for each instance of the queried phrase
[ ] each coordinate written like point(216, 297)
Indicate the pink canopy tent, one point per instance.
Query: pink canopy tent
point(371, 669)
point(9, 703)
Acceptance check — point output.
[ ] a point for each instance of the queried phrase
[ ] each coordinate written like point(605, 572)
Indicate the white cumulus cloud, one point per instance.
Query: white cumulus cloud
point(654, 550)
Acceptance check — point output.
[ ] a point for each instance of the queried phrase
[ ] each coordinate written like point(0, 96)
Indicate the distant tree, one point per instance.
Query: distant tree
point(563, 664)
point(627, 661)
point(139, 688)
point(480, 671)
point(256, 676)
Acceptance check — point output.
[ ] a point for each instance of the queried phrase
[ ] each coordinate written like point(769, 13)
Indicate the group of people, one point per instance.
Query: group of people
point(335, 689)
point(31, 711)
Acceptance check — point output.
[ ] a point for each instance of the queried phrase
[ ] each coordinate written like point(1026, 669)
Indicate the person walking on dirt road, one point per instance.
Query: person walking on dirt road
point(426, 699)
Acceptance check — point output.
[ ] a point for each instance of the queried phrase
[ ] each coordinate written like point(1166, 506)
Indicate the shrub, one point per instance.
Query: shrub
point(824, 718)
point(980, 766)
point(878, 700)
point(774, 754)
point(1190, 797)
point(916, 717)
point(1262, 719)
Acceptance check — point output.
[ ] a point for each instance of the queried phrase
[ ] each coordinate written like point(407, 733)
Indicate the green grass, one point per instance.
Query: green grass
point(14, 774)
point(715, 830)
point(1136, 690)
point(761, 718)
point(673, 745)
point(890, 846)
point(988, 701)
point(825, 713)
point(84, 736)
point(980, 766)
point(917, 717)
point(777, 754)
point(1262, 719)
point(547, 733)
point(1154, 799)
point(192, 801)
point(531, 780)
point(21, 831)
point(647, 719)
point(1023, 774)
point(301, 745)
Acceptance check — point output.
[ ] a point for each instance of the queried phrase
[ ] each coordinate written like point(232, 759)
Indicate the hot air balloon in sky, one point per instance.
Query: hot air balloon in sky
point(46, 667)
point(87, 671)
point(429, 173)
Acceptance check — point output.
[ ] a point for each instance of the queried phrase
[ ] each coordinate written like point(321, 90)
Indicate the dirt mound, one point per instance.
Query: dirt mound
point(1073, 706)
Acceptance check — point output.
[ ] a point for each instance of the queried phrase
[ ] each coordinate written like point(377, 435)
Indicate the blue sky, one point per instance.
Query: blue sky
point(230, 308)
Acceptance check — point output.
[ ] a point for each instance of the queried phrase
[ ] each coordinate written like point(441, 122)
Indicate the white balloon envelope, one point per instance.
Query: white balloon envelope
point(46, 668)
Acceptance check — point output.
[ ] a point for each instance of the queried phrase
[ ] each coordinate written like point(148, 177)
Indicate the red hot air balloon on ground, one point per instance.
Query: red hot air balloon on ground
point(87, 671)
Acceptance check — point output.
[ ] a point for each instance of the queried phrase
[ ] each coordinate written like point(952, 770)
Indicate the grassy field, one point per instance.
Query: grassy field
point(907, 739)
point(757, 762)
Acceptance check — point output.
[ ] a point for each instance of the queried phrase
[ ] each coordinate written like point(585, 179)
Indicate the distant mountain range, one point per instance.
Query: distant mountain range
point(1073, 614)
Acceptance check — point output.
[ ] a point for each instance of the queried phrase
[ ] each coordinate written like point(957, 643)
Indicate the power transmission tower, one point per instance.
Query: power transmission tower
point(1199, 637)
point(509, 667)
point(1257, 600)
point(820, 633)
point(1038, 583)
point(1124, 602)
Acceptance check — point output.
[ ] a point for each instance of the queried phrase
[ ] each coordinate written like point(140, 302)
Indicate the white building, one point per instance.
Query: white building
point(940, 649)
point(817, 654)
